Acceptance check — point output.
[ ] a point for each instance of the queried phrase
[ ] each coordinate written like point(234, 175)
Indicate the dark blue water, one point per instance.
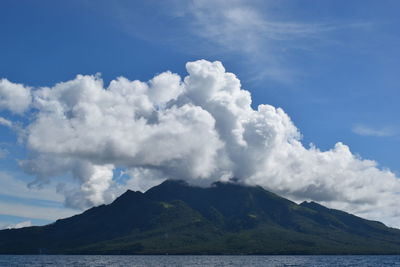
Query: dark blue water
point(273, 261)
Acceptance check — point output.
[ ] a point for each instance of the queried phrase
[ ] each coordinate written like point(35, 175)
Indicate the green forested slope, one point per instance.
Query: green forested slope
point(227, 218)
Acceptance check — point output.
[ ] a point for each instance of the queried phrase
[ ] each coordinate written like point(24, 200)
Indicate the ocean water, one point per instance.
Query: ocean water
point(273, 261)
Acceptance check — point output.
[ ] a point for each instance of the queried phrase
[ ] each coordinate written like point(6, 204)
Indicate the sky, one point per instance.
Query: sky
point(98, 96)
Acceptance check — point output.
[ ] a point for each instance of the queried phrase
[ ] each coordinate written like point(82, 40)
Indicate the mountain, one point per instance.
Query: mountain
point(226, 218)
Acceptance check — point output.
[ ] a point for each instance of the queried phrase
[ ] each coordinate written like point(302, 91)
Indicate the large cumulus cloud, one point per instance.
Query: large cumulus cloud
point(201, 129)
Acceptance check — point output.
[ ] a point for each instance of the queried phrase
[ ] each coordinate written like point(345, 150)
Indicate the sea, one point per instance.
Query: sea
point(169, 260)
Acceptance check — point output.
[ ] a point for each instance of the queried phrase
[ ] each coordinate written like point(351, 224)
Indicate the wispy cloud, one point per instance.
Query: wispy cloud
point(3, 153)
point(252, 30)
point(10, 186)
point(5, 122)
point(32, 203)
point(248, 30)
point(19, 200)
point(35, 212)
point(16, 225)
point(239, 25)
point(373, 131)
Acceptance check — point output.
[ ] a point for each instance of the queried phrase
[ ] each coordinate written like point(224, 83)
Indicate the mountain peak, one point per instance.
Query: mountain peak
point(128, 196)
point(226, 218)
point(174, 182)
point(312, 205)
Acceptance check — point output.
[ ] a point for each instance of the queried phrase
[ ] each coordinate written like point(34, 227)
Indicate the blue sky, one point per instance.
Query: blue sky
point(333, 66)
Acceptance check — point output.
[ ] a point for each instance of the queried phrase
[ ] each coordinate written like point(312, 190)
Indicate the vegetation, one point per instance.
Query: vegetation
point(227, 218)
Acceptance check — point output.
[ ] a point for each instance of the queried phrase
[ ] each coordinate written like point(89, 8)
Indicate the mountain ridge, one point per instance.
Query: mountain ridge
point(225, 218)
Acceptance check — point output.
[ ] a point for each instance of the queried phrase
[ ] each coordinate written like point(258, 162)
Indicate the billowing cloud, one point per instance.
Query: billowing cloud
point(201, 128)
point(14, 97)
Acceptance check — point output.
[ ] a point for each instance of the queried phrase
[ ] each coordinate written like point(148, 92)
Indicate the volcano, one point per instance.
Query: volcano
point(226, 218)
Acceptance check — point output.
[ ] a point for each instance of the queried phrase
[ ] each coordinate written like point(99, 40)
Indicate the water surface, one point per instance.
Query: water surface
point(273, 261)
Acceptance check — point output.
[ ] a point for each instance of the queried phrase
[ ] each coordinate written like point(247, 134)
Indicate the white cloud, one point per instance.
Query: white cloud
point(141, 179)
point(19, 225)
point(95, 182)
point(200, 129)
point(14, 97)
point(81, 127)
point(370, 131)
